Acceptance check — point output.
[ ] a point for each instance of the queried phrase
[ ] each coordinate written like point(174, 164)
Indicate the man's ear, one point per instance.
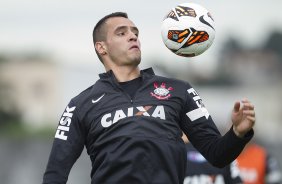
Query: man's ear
point(99, 46)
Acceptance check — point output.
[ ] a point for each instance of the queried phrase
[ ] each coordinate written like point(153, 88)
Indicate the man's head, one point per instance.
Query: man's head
point(99, 32)
point(116, 40)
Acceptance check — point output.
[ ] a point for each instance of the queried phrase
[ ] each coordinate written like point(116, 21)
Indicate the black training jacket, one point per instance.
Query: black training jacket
point(137, 140)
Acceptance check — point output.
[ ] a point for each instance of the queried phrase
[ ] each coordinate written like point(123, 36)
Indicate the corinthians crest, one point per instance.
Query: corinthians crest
point(161, 92)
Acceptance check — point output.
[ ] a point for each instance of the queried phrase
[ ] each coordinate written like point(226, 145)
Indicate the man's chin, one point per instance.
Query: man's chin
point(136, 61)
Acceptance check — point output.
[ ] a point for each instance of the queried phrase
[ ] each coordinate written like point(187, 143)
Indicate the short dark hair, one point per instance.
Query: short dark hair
point(99, 31)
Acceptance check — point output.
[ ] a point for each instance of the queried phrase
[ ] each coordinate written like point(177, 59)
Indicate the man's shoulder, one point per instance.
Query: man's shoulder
point(87, 93)
point(172, 80)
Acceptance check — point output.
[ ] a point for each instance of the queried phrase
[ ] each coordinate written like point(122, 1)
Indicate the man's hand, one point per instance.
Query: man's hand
point(243, 117)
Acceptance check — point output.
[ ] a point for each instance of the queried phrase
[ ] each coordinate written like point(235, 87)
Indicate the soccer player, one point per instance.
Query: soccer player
point(131, 120)
point(199, 170)
point(257, 166)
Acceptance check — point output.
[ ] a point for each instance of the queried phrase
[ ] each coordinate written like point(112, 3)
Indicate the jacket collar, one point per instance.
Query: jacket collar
point(144, 73)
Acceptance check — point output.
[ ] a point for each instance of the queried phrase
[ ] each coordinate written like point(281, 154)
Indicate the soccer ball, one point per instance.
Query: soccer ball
point(188, 30)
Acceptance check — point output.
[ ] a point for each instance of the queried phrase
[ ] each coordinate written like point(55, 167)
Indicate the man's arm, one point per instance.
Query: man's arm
point(200, 129)
point(67, 147)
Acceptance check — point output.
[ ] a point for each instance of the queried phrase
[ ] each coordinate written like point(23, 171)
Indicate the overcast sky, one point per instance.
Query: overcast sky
point(64, 27)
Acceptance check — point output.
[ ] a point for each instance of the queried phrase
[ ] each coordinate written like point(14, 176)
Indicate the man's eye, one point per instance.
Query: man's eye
point(121, 33)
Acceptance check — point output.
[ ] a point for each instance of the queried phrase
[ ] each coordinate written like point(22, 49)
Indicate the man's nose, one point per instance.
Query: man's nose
point(132, 36)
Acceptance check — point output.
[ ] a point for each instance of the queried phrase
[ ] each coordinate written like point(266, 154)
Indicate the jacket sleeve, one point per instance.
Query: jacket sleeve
point(67, 147)
point(199, 127)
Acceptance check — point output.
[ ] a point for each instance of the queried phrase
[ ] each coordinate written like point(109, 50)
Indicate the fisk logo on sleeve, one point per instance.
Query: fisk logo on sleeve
point(64, 124)
point(201, 111)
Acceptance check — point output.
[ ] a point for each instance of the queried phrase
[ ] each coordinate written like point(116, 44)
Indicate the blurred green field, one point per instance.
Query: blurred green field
point(19, 130)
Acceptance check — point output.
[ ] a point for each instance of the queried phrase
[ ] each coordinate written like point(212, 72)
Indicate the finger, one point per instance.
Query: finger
point(236, 106)
point(251, 118)
point(245, 100)
point(248, 106)
point(249, 113)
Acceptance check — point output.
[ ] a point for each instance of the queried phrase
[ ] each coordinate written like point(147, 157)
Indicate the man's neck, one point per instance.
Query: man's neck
point(124, 74)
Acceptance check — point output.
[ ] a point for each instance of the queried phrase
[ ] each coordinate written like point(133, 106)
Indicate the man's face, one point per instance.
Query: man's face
point(122, 43)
